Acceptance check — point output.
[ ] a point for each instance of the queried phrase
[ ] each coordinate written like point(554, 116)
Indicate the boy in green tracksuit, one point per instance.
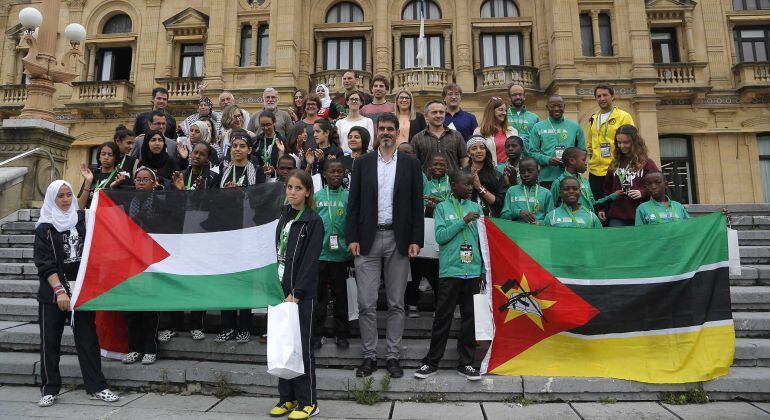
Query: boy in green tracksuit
point(331, 205)
point(514, 147)
point(551, 137)
point(460, 270)
point(575, 164)
point(660, 209)
point(528, 202)
point(436, 188)
point(571, 214)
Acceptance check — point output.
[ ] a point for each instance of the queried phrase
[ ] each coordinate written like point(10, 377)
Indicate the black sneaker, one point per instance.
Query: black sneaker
point(368, 366)
point(394, 368)
point(342, 342)
point(425, 371)
point(318, 342)
point(226, 335)
point(469, 372)
point(243, 337)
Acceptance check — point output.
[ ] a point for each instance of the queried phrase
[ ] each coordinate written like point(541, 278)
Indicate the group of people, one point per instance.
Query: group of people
point(385, 167)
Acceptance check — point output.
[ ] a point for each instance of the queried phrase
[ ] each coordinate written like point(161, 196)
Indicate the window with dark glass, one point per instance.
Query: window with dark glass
point(263, 38)
point(664, 46)
point(344, 12)
point(344, 53)
point(752, 44)
point(501, 50)
point(245, 46)
point(118, 24)
point(677, 165)
point(763, 144)
point(191, 60)
point(412, 10)
point(499, 8)
point(586, 35)
point(113, 64)
point(434, 51)
point(751, 4)
point(605, 34)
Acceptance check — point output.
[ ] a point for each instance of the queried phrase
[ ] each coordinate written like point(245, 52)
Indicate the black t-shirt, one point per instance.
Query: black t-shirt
point(72, 246)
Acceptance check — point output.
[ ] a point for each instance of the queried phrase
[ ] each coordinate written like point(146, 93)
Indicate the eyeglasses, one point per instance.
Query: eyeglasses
point(354, 100)
point(142, 181)
point(404, 98)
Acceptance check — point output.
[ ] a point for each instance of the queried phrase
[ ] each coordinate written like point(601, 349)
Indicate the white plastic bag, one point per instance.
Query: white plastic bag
point(482, 317)
point(284, 348)
point(352, 298)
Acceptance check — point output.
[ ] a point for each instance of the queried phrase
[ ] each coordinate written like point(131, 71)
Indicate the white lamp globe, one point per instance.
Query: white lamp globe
point(75, 32)
point(30, 18)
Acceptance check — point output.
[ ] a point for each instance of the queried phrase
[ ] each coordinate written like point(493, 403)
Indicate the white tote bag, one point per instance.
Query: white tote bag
point(482, 317)
point(352, 298)
point(284, 348)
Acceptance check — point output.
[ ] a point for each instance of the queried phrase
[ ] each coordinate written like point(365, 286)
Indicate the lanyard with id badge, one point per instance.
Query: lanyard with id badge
point(559, 149)
point(669, 211)
point(334, 240)
point(283, 242)
point(604, 147)
point(466, 249)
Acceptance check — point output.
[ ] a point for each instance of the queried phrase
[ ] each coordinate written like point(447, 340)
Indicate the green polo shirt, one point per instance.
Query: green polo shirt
point(549, 135)
point(562, 216)
point(656, 213)
point(331, 206)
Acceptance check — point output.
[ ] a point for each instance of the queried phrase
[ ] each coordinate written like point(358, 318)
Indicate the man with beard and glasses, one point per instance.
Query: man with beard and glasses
point(282, 118)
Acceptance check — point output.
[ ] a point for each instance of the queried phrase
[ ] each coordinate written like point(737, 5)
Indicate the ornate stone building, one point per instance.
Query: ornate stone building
point(694, 74)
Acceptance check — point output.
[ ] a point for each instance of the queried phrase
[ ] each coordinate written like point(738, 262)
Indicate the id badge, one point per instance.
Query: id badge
point(466, 254)
point(605, 150)
point(281, 267)
point(334, 243)
point(559, 152)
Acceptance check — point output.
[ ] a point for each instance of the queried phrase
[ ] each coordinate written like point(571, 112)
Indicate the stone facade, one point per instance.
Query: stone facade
point(707, 96)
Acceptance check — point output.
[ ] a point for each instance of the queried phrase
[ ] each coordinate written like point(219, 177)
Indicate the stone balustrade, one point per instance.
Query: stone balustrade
point(107, 91)
point(13, 95)
point(333, 79)
point(490, 78)
point(752, 74)
point(181, 88)
point(429, 79)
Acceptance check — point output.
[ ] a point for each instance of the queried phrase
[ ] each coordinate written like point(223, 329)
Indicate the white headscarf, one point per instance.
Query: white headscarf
point(326, 100)
point(204, 129)
point(51, 213)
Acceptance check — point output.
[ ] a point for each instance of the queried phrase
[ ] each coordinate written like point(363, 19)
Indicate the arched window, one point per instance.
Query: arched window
point(345, 12)
point(412, 10)
point(499, 8)
point(118, 24)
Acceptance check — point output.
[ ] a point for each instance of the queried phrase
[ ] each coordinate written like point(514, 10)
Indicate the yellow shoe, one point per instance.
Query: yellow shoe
point(305, 412)
point(282, 409)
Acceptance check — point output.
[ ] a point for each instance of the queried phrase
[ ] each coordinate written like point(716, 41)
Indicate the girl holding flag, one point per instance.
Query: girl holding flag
point(299, 238)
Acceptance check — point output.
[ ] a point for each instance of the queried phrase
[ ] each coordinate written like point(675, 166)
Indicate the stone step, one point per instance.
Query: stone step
point(23, 368)
point(16, 255)
point(755, 255)
point(752, 324)
point(17, 228)
point(18, 288)
point(754, 237)
point(18, 336)
point(750, 209)
point(17, 241)
point(17, 270)
point(753, 298)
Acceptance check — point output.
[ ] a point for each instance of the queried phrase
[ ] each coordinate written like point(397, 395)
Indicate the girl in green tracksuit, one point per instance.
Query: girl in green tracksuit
point(528, 202)
point(571, 213)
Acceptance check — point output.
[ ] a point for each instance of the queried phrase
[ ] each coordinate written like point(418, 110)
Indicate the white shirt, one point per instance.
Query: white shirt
point(386, 181)
point(344, 126)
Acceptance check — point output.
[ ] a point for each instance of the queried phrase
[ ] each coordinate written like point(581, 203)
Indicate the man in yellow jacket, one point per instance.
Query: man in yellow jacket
point(601, 136)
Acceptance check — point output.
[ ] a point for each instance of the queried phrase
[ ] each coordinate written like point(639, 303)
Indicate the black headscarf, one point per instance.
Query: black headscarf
point(149, 159)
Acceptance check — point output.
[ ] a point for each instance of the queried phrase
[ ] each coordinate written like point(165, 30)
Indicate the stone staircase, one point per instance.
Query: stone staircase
point(206, 366)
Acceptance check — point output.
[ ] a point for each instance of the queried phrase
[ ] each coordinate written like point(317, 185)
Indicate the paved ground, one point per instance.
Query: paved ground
point(18, 402)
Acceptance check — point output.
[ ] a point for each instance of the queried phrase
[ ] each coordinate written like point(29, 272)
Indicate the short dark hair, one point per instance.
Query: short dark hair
point(435, 155)
point(457, 174)
point(286, 158)
point(387, 116)
point(517, 139)
point(157, 113)
point(527, 159)
point(605, 86)
point(331, 162)
point(451, 86)
point(266, 113)
point(566, 178)
point(243, 135)
point(121, 132)
point(210, 150)
point(655, 173)
point(158, 90)
point(114, 148)
point(380, 78)
point(571, 153)
point(433, 102)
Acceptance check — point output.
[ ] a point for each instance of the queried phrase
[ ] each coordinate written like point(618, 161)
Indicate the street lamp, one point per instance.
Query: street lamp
point(41, 66)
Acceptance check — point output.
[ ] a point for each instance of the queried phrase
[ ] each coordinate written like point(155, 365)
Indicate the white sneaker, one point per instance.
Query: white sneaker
point(197, 335)
point(425, 285)
point(46, 401)
point(105, 395)
point(131, 358)
point(166, 335)
point(149, 359)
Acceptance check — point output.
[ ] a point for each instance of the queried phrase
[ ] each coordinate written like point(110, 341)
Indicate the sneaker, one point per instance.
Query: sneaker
point(412, 312)
point(469, 372)
point(166, 335)
point(225, 336)
point(132, 358)
point(394, 368)
point(366, 368)
point(105, 395)
point(46, 401)
point(282, 408)
point(149, 359)
point(243, 337)
point(262, 339)
point(197, 335)
point(425, 285)
point(319, 342)
point(305, 412)
point(425, 371)
point(342, 342)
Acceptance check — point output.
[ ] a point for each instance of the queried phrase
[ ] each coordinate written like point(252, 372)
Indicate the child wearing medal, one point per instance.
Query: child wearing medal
point(299, 238)
point(198, 176)
point(551, 137)
point(575, 164)
point(528, 202)
point(331, 203)
point(436, 188)
point(266, 143)
point(659, 209)
point(240, 171)
point(571, 214)
point(514, 147)
point(460, 270)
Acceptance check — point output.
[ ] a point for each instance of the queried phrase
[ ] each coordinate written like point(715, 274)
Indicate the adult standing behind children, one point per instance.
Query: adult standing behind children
point(384, 228)
point(354, 119)
point(456, 118)
point(495, 129)
point(380, 104)
point(438, 138)
point(551, 137)
point(518, 116)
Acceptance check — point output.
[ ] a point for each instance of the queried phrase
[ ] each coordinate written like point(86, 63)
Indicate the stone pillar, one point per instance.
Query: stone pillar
point(286, 60)
point(614, 31)
point(466, 48)
point(369, 54)
point(447, 62)
point(91, 62)
point(397, 50)
point(254, 39)
point(382, 39)
point(319, 53)
point(597, 36)
point(12, 57)
point(527, 32)
point(563, 14)
point(476, 49)
point(169, 54)
point(148, 52)
point(639, 35)
point(215, 43)
point(688, 29)
point(646, 119)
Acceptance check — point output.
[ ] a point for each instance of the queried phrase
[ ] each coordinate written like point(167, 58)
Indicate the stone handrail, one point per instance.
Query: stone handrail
point(31, 152)
point(13, 95)
point(181, 88)
point(752, 74)
point(501, 76)
point(676, 73)
point(333, 79)
point(107, 91)
point(418, 79)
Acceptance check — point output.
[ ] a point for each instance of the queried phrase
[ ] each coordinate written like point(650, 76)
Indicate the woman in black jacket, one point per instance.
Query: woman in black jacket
point(299, 238)
point(59, 237)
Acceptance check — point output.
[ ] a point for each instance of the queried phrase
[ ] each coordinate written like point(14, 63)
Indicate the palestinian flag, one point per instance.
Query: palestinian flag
point(181, 250)
point(648, 303)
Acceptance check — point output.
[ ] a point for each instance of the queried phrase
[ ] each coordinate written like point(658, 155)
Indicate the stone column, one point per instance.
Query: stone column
point(169, 54)
point(286, 59)
point(476, 49)
point(688, 29)
point(382, 39)
point(397, 50)
point(319, 53)
point(254, 39)
point(91, 62)
point(148, 52)
point(466, 48)
point(527, 32)
point(646, 119)
point(614, 31)
point(447, 63)
point(12, 57)
point(369, 52)
point(597, 36)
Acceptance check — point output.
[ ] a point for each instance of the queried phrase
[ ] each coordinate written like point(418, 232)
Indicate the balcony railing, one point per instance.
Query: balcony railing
point(13, 95)
point(181, 88)
point(752, 74)
point(333, 79)
point(431, 79)
point(499, 77)
point(106, 91)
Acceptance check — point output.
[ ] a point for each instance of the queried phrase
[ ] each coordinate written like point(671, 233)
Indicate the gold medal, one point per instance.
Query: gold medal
point(564, 135)
point(340, 211)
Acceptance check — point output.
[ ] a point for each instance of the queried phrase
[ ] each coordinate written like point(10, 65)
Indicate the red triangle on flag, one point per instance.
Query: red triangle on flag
point(119, 250)
point(529, 304)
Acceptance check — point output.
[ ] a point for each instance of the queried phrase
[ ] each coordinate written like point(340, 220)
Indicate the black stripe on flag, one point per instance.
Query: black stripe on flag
point(200, 211)
point(644, 307)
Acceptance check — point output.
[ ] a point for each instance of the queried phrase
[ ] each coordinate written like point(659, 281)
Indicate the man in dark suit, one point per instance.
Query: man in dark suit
point(384, 228)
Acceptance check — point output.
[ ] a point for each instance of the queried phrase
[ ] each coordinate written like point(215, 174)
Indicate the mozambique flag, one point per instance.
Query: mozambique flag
point(648, 303)
point(181, 250)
